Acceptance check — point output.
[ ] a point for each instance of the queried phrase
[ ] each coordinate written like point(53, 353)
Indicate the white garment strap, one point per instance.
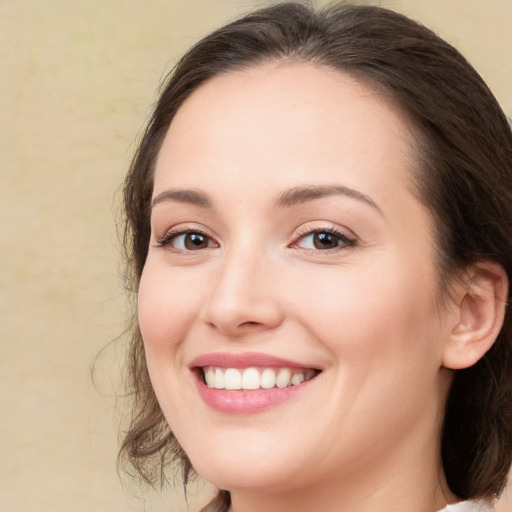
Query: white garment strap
point(469, 506)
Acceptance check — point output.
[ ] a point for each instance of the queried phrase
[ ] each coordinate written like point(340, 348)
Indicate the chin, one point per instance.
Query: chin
point(254, 466)
point(246, 476)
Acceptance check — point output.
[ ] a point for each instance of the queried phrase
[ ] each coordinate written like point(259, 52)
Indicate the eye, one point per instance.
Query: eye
point(190, 240)
point(324, 240)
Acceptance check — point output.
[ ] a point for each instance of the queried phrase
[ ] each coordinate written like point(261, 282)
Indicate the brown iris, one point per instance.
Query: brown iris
point(325, 241)
point(194, 241)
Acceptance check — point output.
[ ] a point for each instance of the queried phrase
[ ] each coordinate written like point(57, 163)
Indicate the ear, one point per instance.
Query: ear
point(481, 307)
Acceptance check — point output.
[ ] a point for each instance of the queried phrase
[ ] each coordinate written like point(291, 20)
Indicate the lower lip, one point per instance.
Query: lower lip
point(246, 401)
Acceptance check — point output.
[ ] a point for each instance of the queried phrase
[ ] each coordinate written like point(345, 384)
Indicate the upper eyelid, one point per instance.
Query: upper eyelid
point(319, 226)
point(183, 227)
point(332, 231)
point(348, 240)
point(304, 230)
point(176, 231)
point(346, 236)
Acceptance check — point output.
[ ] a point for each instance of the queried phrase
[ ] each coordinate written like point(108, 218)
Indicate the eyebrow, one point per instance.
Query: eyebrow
point(291, 197)
point(189, 196)
point(299, 195)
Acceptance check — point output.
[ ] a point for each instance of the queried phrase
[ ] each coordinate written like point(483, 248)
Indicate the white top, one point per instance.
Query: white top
point(469, 506)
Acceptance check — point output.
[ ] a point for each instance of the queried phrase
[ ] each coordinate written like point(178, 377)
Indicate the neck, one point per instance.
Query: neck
point(352, 495)
point(332, 499)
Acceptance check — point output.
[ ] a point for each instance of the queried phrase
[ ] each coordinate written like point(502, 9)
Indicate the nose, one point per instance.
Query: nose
point(244, 296)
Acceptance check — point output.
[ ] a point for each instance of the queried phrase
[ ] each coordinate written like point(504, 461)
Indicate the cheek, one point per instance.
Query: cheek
point(165, 314)
point(384, 336)
point(165, 310)
point(374, 314)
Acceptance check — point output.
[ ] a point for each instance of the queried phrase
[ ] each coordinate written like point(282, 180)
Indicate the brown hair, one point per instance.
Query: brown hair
point(464, 177)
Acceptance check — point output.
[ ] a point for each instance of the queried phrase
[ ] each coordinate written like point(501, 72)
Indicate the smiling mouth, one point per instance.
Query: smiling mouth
point(254, 378)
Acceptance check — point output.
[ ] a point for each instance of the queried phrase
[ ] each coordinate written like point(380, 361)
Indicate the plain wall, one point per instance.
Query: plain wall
point(77, 79)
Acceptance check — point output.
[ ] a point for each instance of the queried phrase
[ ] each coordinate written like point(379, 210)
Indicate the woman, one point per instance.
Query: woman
point(319, 231)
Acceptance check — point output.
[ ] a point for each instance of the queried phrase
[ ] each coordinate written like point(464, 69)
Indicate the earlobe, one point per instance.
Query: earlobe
point(481, 311)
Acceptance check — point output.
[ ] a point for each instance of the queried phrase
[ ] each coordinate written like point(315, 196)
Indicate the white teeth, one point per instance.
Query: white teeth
point(283, 378)
point(209, 377)
point(219, 379)
point(297, 379)
point(251, 379)
point(254, 378)
point(232, 379)
point(268, 378)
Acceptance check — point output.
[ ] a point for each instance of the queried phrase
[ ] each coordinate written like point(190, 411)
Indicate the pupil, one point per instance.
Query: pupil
point(324, 241)
point(195, 241)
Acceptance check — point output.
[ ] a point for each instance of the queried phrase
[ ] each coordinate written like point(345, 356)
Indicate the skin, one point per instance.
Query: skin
point(364, 434)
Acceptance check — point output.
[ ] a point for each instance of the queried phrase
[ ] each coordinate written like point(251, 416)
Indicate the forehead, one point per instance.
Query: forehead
point(271, 118)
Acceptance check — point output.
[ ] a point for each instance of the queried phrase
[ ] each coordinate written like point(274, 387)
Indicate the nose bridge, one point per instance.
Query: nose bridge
point(241, 295)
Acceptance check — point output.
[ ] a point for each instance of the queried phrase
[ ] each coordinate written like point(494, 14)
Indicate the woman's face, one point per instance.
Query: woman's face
point(290, 257)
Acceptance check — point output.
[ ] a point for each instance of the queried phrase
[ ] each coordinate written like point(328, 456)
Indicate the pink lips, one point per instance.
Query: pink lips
point(245, 401)
point(245, 360)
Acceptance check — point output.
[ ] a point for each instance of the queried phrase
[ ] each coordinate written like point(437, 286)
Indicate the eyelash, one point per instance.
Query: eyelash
point(173, 234)
point(344, 240)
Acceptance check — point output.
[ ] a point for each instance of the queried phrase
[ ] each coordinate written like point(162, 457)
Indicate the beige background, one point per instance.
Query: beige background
point(76, 82)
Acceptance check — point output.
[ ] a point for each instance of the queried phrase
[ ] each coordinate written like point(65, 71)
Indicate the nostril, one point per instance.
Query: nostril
point(235, 314)
point(249, 324)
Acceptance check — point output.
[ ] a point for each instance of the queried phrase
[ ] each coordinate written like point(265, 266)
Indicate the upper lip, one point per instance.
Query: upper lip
point(246, 360)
